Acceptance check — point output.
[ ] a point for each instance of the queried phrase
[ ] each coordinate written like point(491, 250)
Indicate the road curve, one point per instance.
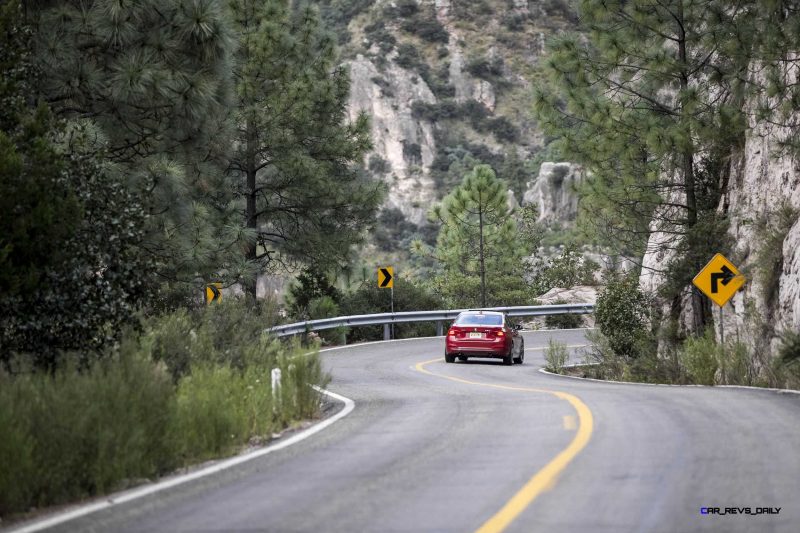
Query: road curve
point(459, 447)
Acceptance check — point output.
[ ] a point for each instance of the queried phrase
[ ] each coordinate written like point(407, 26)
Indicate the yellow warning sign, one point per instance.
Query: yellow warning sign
point(386, 277)
point(719, 280)
point(213, 292)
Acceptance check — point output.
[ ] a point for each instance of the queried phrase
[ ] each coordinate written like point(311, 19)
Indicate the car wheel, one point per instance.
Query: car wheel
point(449, 358)
point(509, 358)
point(521, 357)
point(462, 358)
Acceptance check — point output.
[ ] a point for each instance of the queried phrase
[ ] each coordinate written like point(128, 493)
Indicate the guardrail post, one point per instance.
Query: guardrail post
point(439, 328)
point(386, 335)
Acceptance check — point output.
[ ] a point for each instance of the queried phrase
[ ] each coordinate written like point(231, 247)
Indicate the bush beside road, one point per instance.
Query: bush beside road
point(189, 387)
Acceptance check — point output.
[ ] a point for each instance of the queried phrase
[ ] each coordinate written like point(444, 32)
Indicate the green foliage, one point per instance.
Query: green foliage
point(478, 253)
point(653, 127)
point(219, 334)
point(622, 315)
point(700, 356)
point(376, 33)
point(408, 296)
point(74, 434)
point(563, 321)
point(71, 272)
point(420, 22)
point(710, 363)
point(788, 360)
point(326, 307)
point(789, 353)
point(472, 110)
point(338, 13)
point(393, 230)
point(602, 362)
point(305, 200)
point(555, 356)
point(566, 270)
point(312, 283)
point(378, 165)
point(475, 10)
point(146, 85)
point(408, 57)
point(83, 432)
point(772, 230)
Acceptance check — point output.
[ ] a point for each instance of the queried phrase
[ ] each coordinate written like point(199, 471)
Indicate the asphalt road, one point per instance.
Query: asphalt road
point(455, 447)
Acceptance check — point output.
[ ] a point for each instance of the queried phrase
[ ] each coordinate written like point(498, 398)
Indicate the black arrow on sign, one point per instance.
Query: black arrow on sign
point(725, 277)
point(214, 292)
point(387, 278)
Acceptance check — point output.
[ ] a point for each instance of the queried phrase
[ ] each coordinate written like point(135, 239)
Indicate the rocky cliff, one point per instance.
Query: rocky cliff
point(761, 202)
point(554, 192)
point(403, 146)
point(445, 82)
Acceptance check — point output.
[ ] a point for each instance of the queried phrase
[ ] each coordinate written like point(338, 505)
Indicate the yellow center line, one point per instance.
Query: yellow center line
point(544, 478)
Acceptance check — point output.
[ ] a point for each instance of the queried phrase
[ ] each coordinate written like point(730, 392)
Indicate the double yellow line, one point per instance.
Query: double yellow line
point(544, 478)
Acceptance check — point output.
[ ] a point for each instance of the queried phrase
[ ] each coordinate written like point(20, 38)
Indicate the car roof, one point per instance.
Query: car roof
point(484, 311)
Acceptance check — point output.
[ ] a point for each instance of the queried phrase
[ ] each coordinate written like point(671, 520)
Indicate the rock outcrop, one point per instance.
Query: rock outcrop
point(554, 191)
point(467, 87)
point(403, 142)
point(761, 200)
point(580, 294)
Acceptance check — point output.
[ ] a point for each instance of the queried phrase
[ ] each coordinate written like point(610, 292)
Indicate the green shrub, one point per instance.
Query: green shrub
point(556, 357)
point(503, 129)
point(772, 229)
point(601, 361)
point(377, 33)
point(786, 366)
point(325, 307)
point(378, 165)
point(408, 296)
point(514, 21)
point(408, 57)
point(190, 386)
point(70, 435)
point(565, 270)
point(709, 363)
point(485, 68)
point(564, 321)
point(622, 314)
point(310, 284)
point(426, 28)
point(700, 356)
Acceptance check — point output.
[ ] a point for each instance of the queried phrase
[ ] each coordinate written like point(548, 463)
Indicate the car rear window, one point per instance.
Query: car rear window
point(476, 319)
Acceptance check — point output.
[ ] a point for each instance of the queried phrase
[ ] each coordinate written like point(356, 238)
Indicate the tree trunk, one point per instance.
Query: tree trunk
point(250, 194)
point(483, 267)
point(699, 318)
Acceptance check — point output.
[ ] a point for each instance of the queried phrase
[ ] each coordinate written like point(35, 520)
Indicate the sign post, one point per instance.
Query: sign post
point(719, 280)
point(386, 281)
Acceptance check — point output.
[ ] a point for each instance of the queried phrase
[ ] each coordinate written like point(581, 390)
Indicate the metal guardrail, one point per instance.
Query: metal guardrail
point(439, 317)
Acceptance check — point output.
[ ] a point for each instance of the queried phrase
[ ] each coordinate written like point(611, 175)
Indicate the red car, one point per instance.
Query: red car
point(484, 334)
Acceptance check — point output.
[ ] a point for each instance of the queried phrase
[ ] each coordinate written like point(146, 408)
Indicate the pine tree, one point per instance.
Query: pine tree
point(650, 100)
point(148, 85)
point(294, 148)
point(477, 249)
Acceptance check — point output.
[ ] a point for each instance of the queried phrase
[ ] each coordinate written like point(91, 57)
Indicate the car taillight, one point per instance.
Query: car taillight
point(452, 332)
point(500, 333)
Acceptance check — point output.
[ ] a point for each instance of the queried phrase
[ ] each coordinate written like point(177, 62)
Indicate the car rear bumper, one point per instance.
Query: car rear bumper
point(500, 348)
